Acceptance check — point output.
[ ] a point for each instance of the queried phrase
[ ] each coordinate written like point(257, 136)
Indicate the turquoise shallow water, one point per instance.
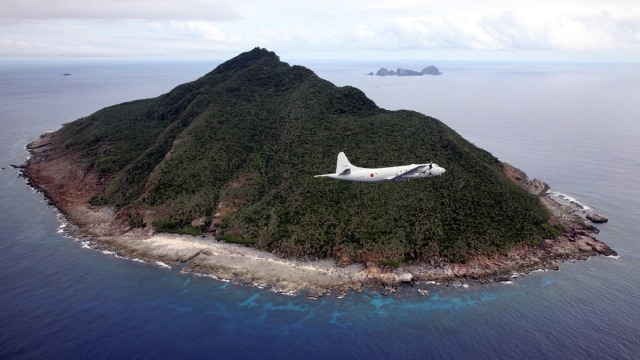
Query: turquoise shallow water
point(574, 126)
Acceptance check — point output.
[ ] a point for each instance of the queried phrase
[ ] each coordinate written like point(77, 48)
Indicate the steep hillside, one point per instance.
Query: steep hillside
point(234, 153)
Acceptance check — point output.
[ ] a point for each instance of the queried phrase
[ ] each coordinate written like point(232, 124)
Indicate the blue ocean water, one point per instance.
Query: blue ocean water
point(575, 126)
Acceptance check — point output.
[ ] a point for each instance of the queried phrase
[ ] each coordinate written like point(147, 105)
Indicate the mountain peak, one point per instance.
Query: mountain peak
point(249, 58)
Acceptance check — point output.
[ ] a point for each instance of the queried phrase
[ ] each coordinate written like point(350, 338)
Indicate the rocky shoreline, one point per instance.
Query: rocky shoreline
point(69, 185)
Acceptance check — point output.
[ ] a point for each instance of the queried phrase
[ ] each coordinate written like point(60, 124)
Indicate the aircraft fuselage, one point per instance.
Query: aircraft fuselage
point(348, 172)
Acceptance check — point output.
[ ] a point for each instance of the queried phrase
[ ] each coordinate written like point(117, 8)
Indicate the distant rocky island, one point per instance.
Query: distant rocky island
point(216, 178)
point(429, 70)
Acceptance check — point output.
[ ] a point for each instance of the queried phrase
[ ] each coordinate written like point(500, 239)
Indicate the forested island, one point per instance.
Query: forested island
point(225, 165)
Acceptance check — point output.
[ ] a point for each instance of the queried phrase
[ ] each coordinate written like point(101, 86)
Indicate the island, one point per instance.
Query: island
point(216, 178)
point(429, 70)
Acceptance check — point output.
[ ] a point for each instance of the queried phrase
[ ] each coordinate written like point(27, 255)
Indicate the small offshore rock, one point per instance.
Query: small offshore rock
point(385, 72)
point(598, 219)
point(431, 70)
point(405, 72)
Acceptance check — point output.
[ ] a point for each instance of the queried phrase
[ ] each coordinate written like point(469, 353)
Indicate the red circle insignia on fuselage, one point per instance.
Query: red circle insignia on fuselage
point(371, 175)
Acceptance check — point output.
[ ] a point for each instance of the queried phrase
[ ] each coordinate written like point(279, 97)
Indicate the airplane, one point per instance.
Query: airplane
point(346, 171)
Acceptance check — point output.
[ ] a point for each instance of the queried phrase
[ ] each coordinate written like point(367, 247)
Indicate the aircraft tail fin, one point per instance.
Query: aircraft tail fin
point(343, 163)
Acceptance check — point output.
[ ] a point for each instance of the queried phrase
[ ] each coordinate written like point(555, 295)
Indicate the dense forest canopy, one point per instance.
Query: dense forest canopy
point(234, 153)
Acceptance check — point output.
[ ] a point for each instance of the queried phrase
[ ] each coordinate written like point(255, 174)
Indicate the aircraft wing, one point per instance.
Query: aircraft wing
point(408, 171)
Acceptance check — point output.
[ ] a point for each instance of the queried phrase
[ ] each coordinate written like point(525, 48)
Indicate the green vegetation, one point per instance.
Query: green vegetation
point(548, 231)
point(395, 262)
point(177, 228)
point(136, 222)
point(245, 140)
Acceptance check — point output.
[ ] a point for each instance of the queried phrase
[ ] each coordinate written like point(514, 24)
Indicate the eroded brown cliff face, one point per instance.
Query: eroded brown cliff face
point(534, 186)
point(69, 185)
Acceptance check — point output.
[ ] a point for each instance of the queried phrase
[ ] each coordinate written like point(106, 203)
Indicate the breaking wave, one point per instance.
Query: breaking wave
point(570, 201)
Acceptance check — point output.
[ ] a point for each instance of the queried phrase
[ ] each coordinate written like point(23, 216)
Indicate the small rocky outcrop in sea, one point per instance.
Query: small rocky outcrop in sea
point(385, 72)
point(405, 72)
point(429, 70)
point(596, 218)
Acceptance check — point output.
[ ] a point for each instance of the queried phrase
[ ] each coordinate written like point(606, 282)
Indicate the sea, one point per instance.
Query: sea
point(574, 125)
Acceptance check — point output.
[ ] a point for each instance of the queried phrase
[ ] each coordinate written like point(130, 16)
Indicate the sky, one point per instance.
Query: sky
point(546, 30)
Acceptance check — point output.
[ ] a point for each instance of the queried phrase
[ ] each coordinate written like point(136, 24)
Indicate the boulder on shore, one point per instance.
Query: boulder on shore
point(598, 219)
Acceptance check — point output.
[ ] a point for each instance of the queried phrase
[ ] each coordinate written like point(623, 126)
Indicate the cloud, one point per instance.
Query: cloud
point(543, 29)
point(35, 10)
point(317, 28)
point(591, 32)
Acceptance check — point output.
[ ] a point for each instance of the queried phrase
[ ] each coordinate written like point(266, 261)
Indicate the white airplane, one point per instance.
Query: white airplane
point(346, 171)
